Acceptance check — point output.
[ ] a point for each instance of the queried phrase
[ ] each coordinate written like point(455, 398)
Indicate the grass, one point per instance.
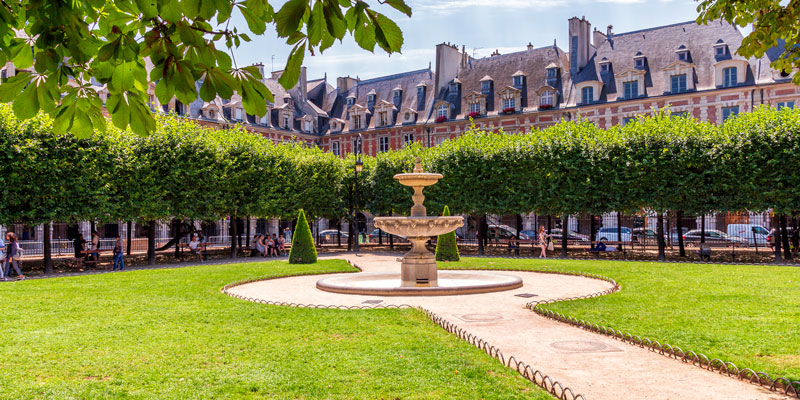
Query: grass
point(171, 334)
point(745, 314)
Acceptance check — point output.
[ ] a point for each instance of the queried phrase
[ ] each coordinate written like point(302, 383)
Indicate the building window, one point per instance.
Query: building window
point(639, 62)
point(552, 73)
point(517, 80)
point(509, 103)
point(546, 99)
point(679, 114)
point(604, 67)
point(683, 56)
point(179, 107)
point(407, 116)
point(678, 83)
point(335, 148)
point(212, 114)
point(486, 86)
point(420, 92)
point(728, 112)
point(626, 120)
point(264, 119)
point(308, 126)
point(350, 101)
point(729, 77)
point(356, 122)
point(587, 95)
point(383, 144)
point(383, 120)
point(631, 89)
point(408, 138)
point(357, 146)
point(370, 100)
point(287, 100)
point(453, 87)
point(442, 111)
point(285, 121)
point(397, 96)
point(785, 104)
point(440, 139)
point(475, 108)
point(719, 50)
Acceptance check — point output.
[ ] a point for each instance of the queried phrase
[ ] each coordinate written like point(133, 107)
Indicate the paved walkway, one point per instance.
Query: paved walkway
point(590, 364)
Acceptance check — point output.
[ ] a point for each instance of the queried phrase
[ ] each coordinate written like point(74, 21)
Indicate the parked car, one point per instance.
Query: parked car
point(329, 236)
point(610, 235)
point(751, 233)
point(674, 234)
point(373, 236)
point(644, 235)
point(529, 233)
point(571, 235)
point(712, 236)
point(789, 234)
point(505, 232)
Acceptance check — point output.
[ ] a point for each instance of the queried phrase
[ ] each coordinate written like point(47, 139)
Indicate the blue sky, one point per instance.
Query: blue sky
point(481, 25)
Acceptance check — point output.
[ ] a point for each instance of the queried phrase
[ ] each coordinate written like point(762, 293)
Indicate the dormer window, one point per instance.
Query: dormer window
point(638, 62)
point(441, 112)
point(307, 126)
point(237, 114)
point(398, 94)
point(683, 55)
point(729, 77)
point(517, 80)
point(587, 95)
point(475, 108)
point(420, 92)
point(453, 87)
point(552, 73)
point(179, 108)
point(546, 99)
point(383, 118)
point(631, 89)
point(350, 101)
point(720, 51)
point(356, 122)
point(605, 67)
point(486, 86)
point(285, 121)
point(370, 100)
point(263, 120)
point(287, 100)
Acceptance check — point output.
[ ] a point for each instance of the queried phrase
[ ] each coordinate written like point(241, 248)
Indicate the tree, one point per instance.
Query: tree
point(446, 245)
point(61, 45)
point(775, 26)
point(303, 250)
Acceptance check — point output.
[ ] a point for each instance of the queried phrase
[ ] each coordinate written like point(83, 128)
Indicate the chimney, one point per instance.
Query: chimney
point(302, 82)
point(260, 67)
point(495, 53)
point(580, 31)
point(598, 38)
point(448, 62)
point(345, 83)
point(464, 57)
point(530, 46)
point(609, 35)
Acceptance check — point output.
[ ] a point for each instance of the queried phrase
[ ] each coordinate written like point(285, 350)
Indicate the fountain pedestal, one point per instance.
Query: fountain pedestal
point(418, 268)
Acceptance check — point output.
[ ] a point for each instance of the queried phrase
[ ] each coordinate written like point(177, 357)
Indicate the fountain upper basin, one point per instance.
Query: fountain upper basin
point(418, 226)
point(420, 179)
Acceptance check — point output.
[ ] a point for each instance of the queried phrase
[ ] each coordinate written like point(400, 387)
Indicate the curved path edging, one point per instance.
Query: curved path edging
point(537, 377)
point(779, 385)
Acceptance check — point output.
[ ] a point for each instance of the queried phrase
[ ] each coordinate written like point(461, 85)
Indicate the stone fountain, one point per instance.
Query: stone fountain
point(419, 274)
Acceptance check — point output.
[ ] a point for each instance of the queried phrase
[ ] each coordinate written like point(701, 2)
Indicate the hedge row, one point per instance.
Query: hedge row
point(185, 171)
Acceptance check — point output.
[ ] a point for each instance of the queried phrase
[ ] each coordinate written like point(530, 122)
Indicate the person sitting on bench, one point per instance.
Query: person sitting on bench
point(195, 247)
point(598, 247)
point(704, 252)
point(513, 245)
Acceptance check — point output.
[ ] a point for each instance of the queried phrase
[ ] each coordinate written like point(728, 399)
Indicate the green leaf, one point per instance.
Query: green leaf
point(315, 24)
point(257, 25)
point(13, 86)
point(24, 57)
point(387, 33)
point(399, 5)
point(26, 105)
point(287, 19)
point(291, 72)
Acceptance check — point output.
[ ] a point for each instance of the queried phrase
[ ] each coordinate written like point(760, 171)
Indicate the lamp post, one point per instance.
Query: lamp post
point(358, 167)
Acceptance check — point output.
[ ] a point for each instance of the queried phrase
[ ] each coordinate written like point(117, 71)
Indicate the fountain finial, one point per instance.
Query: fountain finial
point(418, 166)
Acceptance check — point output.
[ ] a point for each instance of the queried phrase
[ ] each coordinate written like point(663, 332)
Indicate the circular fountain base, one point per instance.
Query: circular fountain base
point(450, 283)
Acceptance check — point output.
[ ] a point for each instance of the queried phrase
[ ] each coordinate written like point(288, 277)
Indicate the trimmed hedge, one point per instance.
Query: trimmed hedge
point(303, 250)
point(446, 245)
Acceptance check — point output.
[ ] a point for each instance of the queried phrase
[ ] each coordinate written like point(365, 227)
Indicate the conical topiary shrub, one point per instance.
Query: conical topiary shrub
point(303, 250)
point(446, 246)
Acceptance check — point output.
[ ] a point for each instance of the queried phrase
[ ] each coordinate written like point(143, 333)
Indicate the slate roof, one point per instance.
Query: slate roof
point(658, 45)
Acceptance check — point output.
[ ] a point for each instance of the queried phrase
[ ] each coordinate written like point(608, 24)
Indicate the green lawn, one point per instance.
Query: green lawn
point(171, 334)
point(749, 315)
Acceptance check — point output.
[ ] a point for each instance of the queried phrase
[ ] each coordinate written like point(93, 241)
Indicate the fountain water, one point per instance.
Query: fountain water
point(418, 271)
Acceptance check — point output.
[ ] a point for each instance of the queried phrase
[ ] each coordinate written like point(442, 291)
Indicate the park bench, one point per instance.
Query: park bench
point(704, 249)
point(94, 263)
point(612, 247)
point(202, 246)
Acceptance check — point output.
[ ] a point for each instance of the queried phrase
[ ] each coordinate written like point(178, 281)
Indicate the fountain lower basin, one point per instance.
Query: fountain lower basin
point(450, 283)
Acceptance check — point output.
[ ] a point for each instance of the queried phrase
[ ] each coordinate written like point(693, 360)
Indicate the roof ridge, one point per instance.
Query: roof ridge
point(615, 35)
point(393, 76)
point(514, 53)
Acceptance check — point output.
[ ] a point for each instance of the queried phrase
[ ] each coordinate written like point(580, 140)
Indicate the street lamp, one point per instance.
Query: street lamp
point(359, 166)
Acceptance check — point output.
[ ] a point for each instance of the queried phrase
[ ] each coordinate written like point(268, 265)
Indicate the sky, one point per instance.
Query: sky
point(483, 26)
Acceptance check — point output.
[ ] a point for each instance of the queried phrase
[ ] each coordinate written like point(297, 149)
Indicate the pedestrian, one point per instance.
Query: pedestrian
point(795, 240)
point(118, 261)
point(94, 248)
point(195, 248)
point(13, 256)
point(287, 233)
point(2, 258)
point(542, 242)
point(79, 244)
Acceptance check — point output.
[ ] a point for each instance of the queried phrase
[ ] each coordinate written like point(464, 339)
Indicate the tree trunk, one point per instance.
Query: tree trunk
point(48, 256)
point(660, 237)
point(130, 237)
point(339, 233)
point(619, 231)
point(151, 243)
point(350, 235)
point(234, 234)
point(549, 225)
point(380, 237)
point(519, 228)
point(247, 233)
point(787, 250)
point(776, 238)
point(679, 227)
point(592, 231)
point(481, 233)
point(564, 235)
point(703, 228)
